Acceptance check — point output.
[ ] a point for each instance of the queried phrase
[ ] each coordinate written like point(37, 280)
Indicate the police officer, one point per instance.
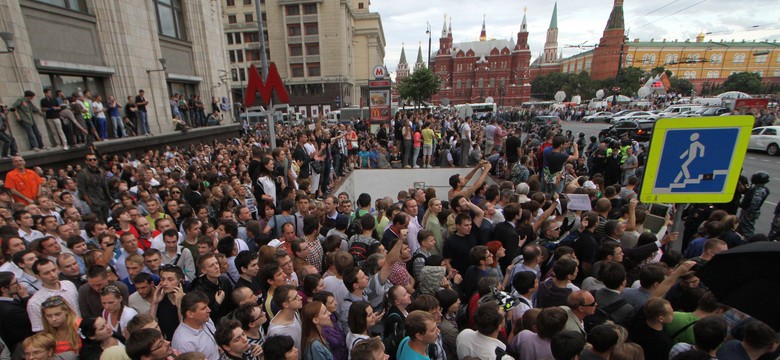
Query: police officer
point(751, 203)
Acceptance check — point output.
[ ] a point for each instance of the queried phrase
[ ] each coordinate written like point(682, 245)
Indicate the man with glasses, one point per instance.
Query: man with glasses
point(579, 305)
point(89, 293)
point(149, 344)
point(51, 286)
point(93, 186)
point(15, 326)
point(286, 321)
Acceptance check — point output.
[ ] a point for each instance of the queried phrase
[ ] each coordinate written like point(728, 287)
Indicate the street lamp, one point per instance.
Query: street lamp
point(164, 64)
point(8, 38)
point(428, 32)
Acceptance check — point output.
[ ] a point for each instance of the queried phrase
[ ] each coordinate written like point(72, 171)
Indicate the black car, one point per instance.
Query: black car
point(639, 130)
point(542, 120)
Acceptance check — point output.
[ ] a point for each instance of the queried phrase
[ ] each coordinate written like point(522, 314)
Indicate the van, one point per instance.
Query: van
point(333, 117)
point(674, 110)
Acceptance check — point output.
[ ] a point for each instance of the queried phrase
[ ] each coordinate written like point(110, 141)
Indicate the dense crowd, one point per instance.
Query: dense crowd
point(235, 250)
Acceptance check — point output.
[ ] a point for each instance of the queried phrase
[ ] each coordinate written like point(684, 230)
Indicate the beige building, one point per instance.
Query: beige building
point(324, 50)
point(113, 48)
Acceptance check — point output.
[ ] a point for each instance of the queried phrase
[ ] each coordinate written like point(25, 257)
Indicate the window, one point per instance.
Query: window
point(292, 10)
point(776, 73)
point(312, 49)
point(247, 2)
point(296, 70)
point(77, 5)
point(251, 37)
point(312, 29)
point(234, 74)
point(296, 50)
point(588, 62)
point(716, 58)
point(314, 69)
point(249, 17)
point(761, 59)
point(231, 19)
point(232, 56)
point(309, 9)
point(240, 56)
point(229, 38)
point(253, 55)
point(231, 3)
point(360, 5)
point(770, 131)
point(689, 75)
point(712, 74)
point(238, 37)
point(739, 58)
point(170, 19)
point(294, 30)
point(756, 131)
point(458, 84)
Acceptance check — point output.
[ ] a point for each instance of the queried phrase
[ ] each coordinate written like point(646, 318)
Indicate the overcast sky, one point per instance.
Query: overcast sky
point(404, 21)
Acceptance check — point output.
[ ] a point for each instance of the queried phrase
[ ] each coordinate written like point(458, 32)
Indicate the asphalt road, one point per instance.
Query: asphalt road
point(754, 161)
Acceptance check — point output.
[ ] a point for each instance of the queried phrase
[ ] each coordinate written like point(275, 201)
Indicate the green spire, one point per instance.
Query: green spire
point(419, 55)
point(403, 55)
point(554, 20)
point(616, 16)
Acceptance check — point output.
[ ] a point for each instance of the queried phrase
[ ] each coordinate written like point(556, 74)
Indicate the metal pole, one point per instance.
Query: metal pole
point(677, 227)
point(429, 45)
point(264, 63)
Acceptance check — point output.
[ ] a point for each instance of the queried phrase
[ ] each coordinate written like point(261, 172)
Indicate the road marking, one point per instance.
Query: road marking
point(764, 160)
point(770, 203)
point(751, 158)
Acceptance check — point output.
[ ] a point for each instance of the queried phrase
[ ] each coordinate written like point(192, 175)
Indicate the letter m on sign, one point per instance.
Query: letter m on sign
point(266, 89)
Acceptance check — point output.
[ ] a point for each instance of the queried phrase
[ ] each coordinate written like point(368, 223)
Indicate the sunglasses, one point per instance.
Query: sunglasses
point(110, 289)
point(53, 301)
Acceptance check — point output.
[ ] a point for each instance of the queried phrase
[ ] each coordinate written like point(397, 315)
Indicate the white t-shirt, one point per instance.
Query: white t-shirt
point(474, 344)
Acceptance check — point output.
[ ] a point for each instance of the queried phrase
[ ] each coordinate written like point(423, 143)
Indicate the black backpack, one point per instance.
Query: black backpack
point(603, 314)
point(393, 340)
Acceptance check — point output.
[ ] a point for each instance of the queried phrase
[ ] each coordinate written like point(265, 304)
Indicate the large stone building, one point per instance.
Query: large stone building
point(706, 63)
point(113, 48)
point(324, 50)
point(472, 71)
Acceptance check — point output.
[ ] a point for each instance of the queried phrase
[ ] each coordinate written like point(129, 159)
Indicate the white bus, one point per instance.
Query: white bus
point(480, 110)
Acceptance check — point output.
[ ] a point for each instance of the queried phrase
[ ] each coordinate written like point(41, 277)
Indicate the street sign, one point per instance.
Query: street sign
point(379, 72)
point(695, 160)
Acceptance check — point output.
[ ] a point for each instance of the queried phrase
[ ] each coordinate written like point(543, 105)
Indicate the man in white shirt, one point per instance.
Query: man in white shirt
point(484, 343)
point(465, 143)
point(25, 221)
point(196, 331)
point(51, 286)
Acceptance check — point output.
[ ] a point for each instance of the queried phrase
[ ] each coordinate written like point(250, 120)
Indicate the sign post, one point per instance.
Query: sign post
point(695, 160)
point(379, 98)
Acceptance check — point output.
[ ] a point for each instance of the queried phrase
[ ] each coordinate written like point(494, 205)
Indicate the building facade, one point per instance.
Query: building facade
point(705, 62)
point(113, 48)
point(324, 50)
point(472, 71)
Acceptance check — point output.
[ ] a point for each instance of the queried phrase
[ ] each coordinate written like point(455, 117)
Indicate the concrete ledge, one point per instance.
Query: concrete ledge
point(58, 158)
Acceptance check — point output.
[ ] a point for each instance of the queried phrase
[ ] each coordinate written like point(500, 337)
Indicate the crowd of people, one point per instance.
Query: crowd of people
point(83, 118)
point(237, 250)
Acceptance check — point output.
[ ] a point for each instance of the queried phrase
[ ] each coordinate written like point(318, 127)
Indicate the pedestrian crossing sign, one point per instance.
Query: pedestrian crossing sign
point(695, 160)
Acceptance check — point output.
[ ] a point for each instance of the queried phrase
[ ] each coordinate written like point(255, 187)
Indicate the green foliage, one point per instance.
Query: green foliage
point(746, 82)
point(546, 86)
point(419, 87)
point(681, 86)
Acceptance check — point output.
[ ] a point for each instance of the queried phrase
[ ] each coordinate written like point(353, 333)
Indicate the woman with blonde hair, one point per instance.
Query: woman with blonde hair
point(431, 223)
point(61, 322)
point(41, 347)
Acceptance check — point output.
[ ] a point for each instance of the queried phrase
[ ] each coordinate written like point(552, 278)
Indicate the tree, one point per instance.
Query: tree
point(746, 82)
point(419, 87)
point(680, 86)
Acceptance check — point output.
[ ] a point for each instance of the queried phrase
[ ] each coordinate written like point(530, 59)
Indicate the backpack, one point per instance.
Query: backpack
point(393, 341)
point(462, 317)
point(603, 314)
point(410, 263)
point(358, 249)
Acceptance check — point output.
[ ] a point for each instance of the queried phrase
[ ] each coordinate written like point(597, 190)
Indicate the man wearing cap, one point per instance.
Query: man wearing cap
point(25, 108)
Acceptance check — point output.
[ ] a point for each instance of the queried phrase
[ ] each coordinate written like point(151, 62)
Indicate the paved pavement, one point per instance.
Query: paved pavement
point(754, 161)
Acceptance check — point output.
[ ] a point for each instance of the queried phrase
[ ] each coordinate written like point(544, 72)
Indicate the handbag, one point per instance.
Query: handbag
point(317, 166)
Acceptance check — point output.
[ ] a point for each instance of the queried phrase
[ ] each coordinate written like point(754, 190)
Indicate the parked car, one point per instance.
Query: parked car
point(542, 120)
point(713, 111)
point(639, 130)
point(635, 115)
point(765, 138)
point(604, 116)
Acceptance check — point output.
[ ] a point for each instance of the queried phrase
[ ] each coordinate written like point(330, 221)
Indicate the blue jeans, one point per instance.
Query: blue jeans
point(119, 127)
point(143, 123)
point(33, 135)
point(102, 127)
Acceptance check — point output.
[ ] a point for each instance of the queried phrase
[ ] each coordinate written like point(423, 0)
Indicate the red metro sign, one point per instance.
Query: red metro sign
point(266, 89)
